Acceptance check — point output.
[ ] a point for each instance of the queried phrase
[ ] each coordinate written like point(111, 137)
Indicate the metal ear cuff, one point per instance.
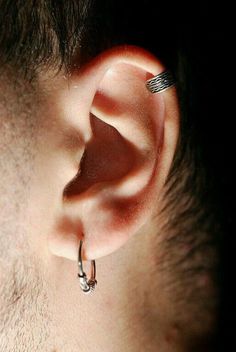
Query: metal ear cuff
point(87, 286)
point(161, 82)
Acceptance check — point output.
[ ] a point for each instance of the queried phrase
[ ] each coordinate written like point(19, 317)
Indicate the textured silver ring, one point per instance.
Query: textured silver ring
point(87, 286)
point(161, 82)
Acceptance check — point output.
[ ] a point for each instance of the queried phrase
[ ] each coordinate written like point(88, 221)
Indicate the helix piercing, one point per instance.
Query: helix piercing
point(161, 82)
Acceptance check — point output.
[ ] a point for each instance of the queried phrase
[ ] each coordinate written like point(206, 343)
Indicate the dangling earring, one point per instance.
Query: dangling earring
point(87, 286)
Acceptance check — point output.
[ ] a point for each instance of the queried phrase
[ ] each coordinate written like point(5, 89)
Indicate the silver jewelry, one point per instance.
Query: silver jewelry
point(86, 285)
point(161, 82)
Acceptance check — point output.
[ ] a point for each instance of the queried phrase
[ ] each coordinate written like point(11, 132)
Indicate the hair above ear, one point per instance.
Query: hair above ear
point(129, 137)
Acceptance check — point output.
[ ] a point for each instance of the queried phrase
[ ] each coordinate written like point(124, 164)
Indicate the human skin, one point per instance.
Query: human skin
point(42, 307)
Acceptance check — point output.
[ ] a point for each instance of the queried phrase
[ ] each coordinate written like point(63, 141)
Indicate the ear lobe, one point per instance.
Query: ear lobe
point(126, 159)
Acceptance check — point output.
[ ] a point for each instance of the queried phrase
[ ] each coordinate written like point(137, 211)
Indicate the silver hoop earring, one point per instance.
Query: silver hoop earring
point(87, 286)
point(161, 82)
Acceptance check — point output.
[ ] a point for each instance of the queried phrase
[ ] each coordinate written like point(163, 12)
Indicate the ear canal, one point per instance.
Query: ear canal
point(108, 157)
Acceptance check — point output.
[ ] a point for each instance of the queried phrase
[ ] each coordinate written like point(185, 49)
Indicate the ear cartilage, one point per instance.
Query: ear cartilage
point(87, 286)
point(161, 82)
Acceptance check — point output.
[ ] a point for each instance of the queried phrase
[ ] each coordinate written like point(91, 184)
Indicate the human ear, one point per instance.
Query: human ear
point(129, 138)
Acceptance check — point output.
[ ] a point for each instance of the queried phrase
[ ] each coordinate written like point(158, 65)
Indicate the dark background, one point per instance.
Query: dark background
point(200, 33)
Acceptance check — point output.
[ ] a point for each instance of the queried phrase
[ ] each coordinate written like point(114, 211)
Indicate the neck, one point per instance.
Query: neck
point(126, 312)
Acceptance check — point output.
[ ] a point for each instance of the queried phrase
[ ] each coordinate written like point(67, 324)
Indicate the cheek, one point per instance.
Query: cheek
point(45, 198)
point(15, 179)
point(54, 168)
point(23, 293)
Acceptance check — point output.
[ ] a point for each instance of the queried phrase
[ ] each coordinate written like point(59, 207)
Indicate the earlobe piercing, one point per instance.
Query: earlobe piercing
point(87, 286)
point(161, 82)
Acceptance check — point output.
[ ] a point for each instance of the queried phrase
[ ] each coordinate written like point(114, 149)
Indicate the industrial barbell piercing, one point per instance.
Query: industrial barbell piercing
point(87, 286)
point(160, 82)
